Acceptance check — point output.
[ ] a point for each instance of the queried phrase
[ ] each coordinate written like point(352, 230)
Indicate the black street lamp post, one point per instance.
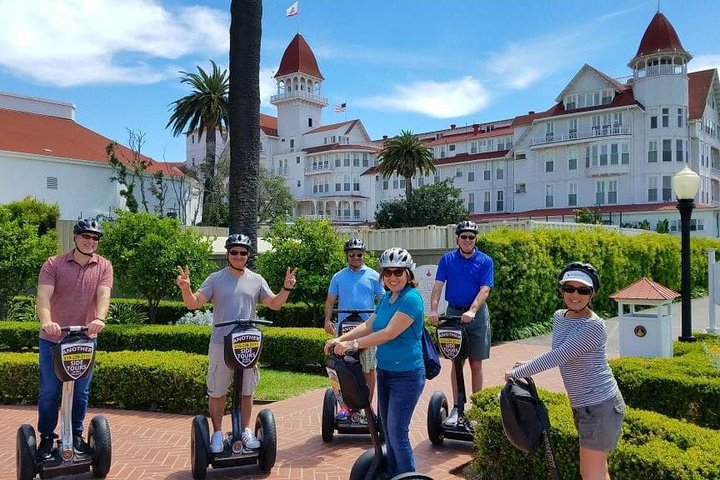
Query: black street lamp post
point(686, 184)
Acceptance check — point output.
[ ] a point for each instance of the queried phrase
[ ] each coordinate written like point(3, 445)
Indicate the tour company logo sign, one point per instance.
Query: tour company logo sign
point(77, 358)
point(450, 341)
point(246, 347)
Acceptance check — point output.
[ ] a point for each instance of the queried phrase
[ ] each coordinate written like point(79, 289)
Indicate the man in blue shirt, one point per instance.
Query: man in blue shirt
point(469, 276)
point(355, 287)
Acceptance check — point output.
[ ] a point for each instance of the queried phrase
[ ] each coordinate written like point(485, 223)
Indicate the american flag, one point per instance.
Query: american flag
point(340, 107)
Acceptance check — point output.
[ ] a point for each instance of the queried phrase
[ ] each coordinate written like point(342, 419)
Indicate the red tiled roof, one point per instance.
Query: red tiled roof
point(337, 146)
point(268, 124)
point(645, 289)
point(465, 136)
point(334, 126)
point(57, 137)
point(699, 84)
point(299, 57)
point(461, 158)
point(570, 212)
point(660, 36)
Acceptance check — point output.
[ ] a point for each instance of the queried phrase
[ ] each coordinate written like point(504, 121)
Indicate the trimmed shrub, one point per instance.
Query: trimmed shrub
point(651, 445)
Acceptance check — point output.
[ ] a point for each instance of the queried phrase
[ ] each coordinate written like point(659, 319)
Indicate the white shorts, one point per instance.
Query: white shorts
point(219, 376)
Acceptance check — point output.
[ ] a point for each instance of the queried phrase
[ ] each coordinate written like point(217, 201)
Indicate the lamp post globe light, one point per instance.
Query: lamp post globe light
point(686, 184)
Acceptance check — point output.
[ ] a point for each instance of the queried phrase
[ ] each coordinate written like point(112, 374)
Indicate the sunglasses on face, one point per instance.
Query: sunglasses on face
point(580, 290)
point(86, 236)
point(399, 272)
point(242, 253)
point(355, 255)
point(467, 237)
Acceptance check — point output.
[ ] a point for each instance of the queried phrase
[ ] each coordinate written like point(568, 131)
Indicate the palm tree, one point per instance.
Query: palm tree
point(405, 155)
point(245, 34)
point(205, 108)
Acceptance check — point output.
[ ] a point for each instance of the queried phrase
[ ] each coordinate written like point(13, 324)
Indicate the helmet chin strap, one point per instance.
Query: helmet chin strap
point(83, 253)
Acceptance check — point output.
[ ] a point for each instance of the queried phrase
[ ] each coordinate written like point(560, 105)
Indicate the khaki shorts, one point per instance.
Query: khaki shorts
point(599, 426)
point(368, 359)
point(219, 376)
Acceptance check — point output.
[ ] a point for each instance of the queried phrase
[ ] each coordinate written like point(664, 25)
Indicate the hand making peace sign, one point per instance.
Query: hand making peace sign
point(183, 278)
point(289, 282)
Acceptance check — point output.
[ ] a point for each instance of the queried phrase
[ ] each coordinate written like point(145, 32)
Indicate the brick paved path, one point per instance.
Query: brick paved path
point(148, 446)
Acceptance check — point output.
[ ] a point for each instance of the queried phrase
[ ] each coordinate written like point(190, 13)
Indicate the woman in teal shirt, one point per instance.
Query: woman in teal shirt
point(396, 329)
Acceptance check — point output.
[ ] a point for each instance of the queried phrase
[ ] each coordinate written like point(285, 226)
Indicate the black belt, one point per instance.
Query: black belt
point(464, 309)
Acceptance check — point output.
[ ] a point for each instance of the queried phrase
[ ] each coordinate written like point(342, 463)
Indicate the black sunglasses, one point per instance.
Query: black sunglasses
point(355, 255)
point(467, 237)
point(399, 272)
point(580, 290)
point(86, 236)
point(242, 253)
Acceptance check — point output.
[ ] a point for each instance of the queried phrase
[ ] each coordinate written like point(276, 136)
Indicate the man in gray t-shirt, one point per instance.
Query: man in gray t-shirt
point(234, 292)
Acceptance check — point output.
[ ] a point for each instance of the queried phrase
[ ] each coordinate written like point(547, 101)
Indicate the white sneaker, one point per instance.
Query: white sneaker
point(452, 419)
point(250, 440)
point(217, 444)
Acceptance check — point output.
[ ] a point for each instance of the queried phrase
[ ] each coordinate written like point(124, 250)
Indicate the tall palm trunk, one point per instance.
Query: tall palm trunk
point(209, 207)
point(244, 100)
point(408, 187)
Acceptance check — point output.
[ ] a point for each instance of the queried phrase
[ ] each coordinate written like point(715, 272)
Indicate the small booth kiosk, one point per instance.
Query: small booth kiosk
point(646, 323)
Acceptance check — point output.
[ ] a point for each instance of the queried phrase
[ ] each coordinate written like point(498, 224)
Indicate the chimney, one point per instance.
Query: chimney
point(384, 137)
point(531, 112)
point(475, 128)
point(452, 126)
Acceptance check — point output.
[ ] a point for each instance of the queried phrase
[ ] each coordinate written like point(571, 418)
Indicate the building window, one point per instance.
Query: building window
point(310, 122)
point(548, 196)
point(667, 188)
point(458, 172)
point(520, 188)
point(451, 148)
point(612, 191)
point(653, 121)
point(667, 151)
point(499, 174)
point(298, 184)
point(486, 175)
point(679, 156)
point(652, 189)
point(680, 117)
point(600, 193)
point(500, 202)
point(366, 160)
point(652, 151)
point(471, 202)
point(549, 166)
point(385, 185)
point(473, 147)
point(603, 154)
point(51, 183)
point(486, 201)
point(471, 176)
point(572, 128)
point(625, 153)
point(665, 117)
point(572, 194)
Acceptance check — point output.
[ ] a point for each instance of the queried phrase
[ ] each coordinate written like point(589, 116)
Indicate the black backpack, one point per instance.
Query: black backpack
point(524, 416)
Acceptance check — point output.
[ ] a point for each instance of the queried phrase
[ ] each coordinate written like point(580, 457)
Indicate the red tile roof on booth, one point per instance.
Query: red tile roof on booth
point(56, 137)
point(645, 289)
point(299, 57)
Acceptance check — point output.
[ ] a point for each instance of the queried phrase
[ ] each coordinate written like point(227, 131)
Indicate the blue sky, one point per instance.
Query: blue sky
point(419, 65)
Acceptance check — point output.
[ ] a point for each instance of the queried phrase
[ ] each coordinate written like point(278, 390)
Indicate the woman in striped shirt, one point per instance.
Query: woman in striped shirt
point(579, 341)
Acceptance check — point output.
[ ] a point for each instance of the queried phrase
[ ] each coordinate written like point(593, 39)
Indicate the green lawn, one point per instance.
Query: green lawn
point(279, 385)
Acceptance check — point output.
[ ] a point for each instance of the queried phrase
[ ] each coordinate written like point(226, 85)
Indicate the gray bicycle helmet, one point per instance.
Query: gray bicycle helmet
point(466, 226)
point(88, 225)
point(238, 240)
point(354, 244)
point(396, 257)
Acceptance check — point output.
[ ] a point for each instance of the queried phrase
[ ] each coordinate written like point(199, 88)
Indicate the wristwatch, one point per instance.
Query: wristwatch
point(355, 345)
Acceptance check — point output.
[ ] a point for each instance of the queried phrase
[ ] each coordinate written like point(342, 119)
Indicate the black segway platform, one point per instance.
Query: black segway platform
point(333, 400)
point(453, 342)
point(73, 358)
point(243, 346)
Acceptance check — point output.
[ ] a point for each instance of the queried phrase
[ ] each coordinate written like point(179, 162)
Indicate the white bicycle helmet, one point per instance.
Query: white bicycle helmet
point(396, 257)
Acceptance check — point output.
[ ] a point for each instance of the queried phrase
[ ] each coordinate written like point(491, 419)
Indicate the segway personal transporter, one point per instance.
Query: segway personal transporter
point(73, 359)
point(371, 464)
point(454, 345)
point(333, 400)
point(243, 346)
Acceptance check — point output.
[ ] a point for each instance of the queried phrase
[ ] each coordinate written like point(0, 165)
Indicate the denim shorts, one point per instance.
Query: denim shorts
point(368, 359)
point(599, 426)
point(219, 376)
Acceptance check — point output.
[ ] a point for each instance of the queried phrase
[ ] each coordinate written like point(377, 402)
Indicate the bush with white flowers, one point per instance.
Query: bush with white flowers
point(196, 317)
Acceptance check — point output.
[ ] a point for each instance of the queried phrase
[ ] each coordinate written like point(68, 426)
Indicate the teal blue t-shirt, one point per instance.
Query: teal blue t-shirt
point(404, 352)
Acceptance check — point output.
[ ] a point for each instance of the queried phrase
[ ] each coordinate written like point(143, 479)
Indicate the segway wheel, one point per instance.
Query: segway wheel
point(267, 434)
point(411, 476)
point(25, 452)
point(101, 445)
point(199, 446)
point(328, 415)
point(436, 415)
point(361, 468)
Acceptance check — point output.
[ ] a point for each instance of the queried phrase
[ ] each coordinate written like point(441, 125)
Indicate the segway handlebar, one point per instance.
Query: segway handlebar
point(243, 320)
point(450, 318)
point(337, 310)
point(74, 328)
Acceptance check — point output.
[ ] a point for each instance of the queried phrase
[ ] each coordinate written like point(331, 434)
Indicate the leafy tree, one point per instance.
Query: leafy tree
point(205, 108)
point(663, 226)
point(245, 35)
point(128, 171)
point(26, 240)
point(435, 204)
point(405, 155)
point(314, 248)
point(588, 215)
point(146, 249)
point(275, 200)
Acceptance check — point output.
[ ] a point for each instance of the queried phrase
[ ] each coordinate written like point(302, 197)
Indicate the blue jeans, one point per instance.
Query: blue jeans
point(51, 391)
point(397, 396)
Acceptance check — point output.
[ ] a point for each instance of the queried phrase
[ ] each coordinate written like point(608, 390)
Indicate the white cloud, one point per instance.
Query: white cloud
point(81, 42)
point(454, 98)
point(267, 86)
point(704, 62)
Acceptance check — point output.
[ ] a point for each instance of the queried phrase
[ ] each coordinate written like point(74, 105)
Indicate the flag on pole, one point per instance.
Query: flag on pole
point(340, 107)
point(292, 10)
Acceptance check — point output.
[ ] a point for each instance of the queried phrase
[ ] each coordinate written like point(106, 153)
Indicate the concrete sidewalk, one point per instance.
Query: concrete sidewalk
point(150, 445)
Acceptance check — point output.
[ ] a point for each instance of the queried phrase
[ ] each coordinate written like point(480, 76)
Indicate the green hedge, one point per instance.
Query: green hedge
point(145, 380)
point(527, 264)
point(652, 446)
point(297, 349)
point(686, 386)
point(169, 311)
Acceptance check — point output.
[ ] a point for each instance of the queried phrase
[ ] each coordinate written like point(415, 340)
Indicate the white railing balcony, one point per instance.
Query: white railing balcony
point(319, 169)
point(298, 94)
point(606, 170)
point(605, 131)
point(666, 69)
